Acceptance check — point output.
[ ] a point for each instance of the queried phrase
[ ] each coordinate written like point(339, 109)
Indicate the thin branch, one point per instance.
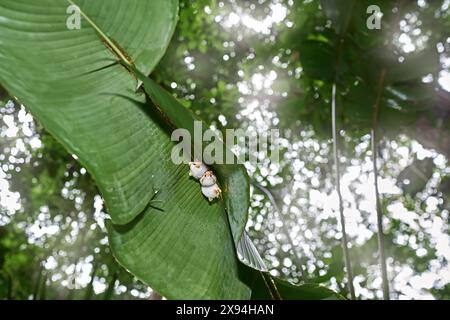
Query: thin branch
point(298, 260)
point(38, 281)
point(43, 289)
point(348, 264)
point(340, 49)
point(382, 254)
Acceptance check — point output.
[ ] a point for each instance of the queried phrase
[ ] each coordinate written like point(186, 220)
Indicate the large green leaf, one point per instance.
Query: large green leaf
point(318, 59)
point(233, 178)
point(68, 80)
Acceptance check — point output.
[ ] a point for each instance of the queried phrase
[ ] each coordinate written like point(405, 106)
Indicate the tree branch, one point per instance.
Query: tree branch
point(348, 264)
point(382, 254)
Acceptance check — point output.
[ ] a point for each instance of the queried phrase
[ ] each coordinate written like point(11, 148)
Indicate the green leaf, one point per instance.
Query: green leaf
point(318, 59)
point(266, 287)
point(66, 79)
point(70, 81)
point(358, 104)
point(233, 178)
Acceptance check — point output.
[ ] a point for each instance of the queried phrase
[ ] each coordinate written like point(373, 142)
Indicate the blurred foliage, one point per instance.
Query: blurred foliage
point(47, 243)
point(211, 66)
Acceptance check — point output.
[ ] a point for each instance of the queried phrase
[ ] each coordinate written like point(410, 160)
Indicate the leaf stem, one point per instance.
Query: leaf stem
point(340, 49)
point(38, 281)
point(105, 38)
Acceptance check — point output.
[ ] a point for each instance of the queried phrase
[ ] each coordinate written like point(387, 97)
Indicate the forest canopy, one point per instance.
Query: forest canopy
point(91, 206)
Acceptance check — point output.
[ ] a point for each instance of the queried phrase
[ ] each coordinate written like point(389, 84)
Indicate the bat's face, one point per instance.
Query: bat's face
point(197, 169)
point(208, 179)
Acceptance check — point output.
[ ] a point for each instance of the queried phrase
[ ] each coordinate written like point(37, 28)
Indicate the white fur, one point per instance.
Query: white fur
point(197, 169)
point(208, 179)
point(211, 192)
